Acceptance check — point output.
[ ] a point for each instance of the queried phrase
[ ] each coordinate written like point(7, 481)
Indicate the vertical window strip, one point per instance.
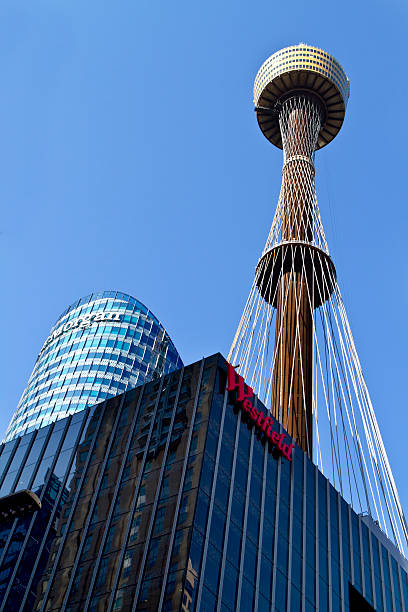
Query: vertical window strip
point(93, 504)
point(329, 547)
point(16, 479)
point(317, 592)
point(382, 570)
point(228, 519)
point(57, 500)
point(10, 459)
point(24, 460)
point(33, 518)
point(351, 545)
point(73, 508)
point(115, 495)
point(370, 548)
point(181, 487)
point(341, 561)
point(136, 495)
point(276, 530)
point(292, 469)
point(244, 527)
point(157, 495)
point(304, 524)
point(400, 578)
point(210, 510)
point(261, 525)
point(360, 537)
point(391, 580)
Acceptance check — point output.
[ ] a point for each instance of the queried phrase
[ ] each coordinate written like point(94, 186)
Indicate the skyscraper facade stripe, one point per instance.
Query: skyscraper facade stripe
point(101, 345)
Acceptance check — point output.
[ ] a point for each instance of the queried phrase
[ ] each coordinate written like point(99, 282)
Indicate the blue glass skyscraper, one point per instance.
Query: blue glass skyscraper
point(101, 345)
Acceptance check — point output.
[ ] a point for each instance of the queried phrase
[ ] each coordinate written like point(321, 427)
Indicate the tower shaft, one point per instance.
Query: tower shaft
point(292, 377)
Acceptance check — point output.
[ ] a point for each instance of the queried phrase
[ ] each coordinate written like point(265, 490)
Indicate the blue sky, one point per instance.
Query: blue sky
point(130, 159)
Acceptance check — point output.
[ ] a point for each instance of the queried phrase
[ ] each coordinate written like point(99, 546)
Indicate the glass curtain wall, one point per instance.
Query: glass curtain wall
point(100, 346)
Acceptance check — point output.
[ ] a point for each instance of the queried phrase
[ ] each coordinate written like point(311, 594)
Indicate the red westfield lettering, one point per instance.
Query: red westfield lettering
point(244, 399)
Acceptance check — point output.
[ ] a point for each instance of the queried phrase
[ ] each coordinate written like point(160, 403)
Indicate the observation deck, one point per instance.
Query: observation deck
point(295, 70)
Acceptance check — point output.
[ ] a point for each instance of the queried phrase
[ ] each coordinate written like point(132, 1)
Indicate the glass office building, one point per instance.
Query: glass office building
point(176, 496)
point(100, 346)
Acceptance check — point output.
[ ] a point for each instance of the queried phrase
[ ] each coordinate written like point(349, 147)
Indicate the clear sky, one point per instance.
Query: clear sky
point(130, 159)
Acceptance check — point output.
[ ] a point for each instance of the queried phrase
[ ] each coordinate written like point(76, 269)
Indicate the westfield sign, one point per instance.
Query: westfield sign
point(243, 397)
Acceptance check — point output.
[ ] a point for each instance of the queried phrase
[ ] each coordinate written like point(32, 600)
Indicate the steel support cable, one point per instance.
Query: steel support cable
point(321, 372)
point(258, 371)
point(355, 478)
point(246, 317)
point(243, 318)
point(330, 337)
point(349, 368)
point(383, 455)
point(333, 445)
point(387, 465)
point(373, 497)
point(361, 452)
point(265, 339)
point(246, 352)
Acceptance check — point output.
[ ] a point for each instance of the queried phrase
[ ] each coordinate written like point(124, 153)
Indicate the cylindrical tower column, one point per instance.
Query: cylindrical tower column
point(292, 379)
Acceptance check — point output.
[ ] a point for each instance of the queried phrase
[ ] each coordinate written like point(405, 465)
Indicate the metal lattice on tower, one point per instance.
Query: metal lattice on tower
point(293, 344)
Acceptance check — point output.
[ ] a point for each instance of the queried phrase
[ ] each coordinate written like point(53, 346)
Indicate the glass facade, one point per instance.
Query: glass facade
point(166, 498)
point(100, 346)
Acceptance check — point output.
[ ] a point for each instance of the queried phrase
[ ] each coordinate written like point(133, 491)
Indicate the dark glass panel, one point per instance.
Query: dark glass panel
point(283, 549)
point(212, 568)
point(356, 551)
point(203, 502)
point(310, 583)
point(264, 604)
point(222, 488)
point(377, 574)
point(295, 599)
point(253, 519)
point(244, 441)
point(250, 560)
point(280, 592)
point(255, 489)
point(247, 595)
point(265, 582)
point(6, 454)
point(217, 527)
point(366, 563)
point(310, 498)
point(258, 458)
point(208, 601)
point(173, 591)
point(207, 474)
point(241, 473)
point(395, 579)
point(230, 585)
point(323, 596)
point(196, 549)
point(284, 482)
point(234, 544)
point(297, 535)
point(238, 506)
point(296, 571)
point(267, 538)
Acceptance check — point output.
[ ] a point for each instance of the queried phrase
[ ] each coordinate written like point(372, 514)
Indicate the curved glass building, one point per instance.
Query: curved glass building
point(100, 346)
